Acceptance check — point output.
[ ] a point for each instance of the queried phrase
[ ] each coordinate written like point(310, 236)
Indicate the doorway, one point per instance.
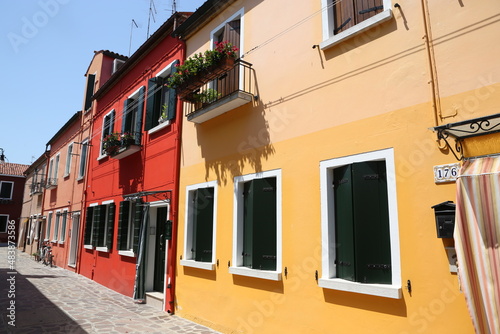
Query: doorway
point(73, 242)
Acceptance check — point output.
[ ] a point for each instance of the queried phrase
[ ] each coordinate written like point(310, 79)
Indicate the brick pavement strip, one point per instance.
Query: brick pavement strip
point(54, 300)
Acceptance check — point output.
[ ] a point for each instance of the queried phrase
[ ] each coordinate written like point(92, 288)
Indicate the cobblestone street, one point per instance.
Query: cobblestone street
point(53, 300)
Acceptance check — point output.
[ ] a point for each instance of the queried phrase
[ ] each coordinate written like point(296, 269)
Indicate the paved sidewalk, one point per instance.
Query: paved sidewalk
point(55, 300)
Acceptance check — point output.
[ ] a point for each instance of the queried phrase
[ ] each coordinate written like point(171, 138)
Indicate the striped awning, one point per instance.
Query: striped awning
point(477, 240)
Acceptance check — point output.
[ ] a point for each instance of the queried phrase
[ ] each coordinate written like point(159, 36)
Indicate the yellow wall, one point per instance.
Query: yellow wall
point(369, 93)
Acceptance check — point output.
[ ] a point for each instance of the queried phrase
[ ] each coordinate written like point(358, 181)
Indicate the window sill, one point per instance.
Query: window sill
point(159, 127)
point(126, 253)
point(53, 241)
point(381, 290)
point(198, 264)
point(357, 29)
point(61, 242)
point(102, 156)
point(102, 249)
point(264, 274)
point(88, 247)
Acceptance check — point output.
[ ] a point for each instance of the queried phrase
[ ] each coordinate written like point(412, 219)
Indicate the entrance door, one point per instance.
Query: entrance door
point(160, 249)
point(73, 243)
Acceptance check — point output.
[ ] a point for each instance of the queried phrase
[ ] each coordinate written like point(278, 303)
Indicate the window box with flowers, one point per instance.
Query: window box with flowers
point(111, 144)
point(202, 68)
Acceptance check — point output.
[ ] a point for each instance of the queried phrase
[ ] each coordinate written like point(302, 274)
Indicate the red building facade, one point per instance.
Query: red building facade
point(131, 191)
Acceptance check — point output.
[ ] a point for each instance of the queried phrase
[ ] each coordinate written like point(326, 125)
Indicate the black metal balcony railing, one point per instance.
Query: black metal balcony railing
point(231, 89)
point(37, 188)
point(51, 183)
point(130, 142)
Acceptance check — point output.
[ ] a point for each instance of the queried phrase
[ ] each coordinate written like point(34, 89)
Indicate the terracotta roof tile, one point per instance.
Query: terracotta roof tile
point(7, 168)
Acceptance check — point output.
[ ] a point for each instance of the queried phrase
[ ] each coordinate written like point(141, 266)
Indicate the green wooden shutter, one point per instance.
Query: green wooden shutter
point(264, 243)
point(137, 224)
point(248, 218)
point(110, 225)
point(90, 91)
point(88, 226)
point(344, 224)
point(203, 224)
point(172, 95)
point(371, 223)
point(126, 117)
point(123, 218)
point(138, 116)
point(259, 224)
point(151, 103)
point(96, 225)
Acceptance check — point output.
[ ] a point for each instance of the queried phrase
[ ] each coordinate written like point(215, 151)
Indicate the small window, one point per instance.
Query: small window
point(3, 223)
point(199, 238)
point(89, 91)
point(129, 225)
point(162, 101)
point(132, 115)
point(56, 226)
point(64, 217)
point(49, 225)
point(258, 226)
point(67, 168)
point(99, 226)
point(359, 224)
point(108, 127)
point(83, 159)
point(53, 171)
point(344, 19)
point(6, 188)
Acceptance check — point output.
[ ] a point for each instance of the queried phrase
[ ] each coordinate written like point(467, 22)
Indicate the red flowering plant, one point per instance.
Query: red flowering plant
point(111, 143)
point(201, 62)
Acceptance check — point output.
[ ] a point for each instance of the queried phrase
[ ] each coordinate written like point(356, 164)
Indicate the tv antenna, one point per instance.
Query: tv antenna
point(131, 28)
point(152, 12)
point(174, 7)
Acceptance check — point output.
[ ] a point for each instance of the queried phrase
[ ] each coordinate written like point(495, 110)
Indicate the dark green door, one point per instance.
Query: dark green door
point(203, 224)
point(160, 249)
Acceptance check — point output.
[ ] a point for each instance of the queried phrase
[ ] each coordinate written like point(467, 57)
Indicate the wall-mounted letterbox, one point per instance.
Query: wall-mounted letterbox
point(445, 219)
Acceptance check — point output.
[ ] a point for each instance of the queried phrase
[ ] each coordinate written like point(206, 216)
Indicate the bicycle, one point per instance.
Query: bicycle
point(47, 255)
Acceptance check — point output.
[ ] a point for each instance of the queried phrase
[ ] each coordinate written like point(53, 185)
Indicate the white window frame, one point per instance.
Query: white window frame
point(67, 167)
point(57, 224)
point(238, 208)
point(328, 279)
point(11, 189)
point(188, 260)
point(49, 225)
point(329, 39)
point(163, 73)
point(64, 224)
point(106, 222)
point(83, 159)
point(112, 128)
point(38, 222)
point(134, 96)
point(6, 223)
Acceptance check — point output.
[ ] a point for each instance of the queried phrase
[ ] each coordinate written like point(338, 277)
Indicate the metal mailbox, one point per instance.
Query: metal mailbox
point(445, 219)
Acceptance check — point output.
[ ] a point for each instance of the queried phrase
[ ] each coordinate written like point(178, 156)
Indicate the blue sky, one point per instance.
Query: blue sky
point(45, 49)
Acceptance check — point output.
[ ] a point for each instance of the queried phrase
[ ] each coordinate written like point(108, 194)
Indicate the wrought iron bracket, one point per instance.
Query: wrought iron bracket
point(467, 129)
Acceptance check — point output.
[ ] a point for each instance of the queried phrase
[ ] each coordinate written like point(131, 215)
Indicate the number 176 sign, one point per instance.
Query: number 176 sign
point(446, 173)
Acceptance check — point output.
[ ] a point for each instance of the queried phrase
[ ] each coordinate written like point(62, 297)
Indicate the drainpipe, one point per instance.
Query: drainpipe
point(175, 201)
point(434, 87)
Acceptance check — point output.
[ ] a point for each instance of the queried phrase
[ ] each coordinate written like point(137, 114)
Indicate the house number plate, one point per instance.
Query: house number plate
point(446, 173)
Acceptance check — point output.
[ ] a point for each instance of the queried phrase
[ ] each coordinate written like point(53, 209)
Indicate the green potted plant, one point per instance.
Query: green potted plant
point(201, 68)
point(208, 96)
point(127, 139)
point(111, 143)
point(164, 113)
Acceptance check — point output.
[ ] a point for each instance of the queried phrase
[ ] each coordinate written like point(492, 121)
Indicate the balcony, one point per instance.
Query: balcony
point(121, 145)
point(51, 183)
point(37, 188)
point(215, 95)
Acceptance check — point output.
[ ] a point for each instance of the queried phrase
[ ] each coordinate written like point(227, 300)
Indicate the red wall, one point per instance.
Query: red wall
point(155, 167)
point(12, 208)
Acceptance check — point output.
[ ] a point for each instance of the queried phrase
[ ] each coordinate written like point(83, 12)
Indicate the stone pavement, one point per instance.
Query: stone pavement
point(54, 300)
